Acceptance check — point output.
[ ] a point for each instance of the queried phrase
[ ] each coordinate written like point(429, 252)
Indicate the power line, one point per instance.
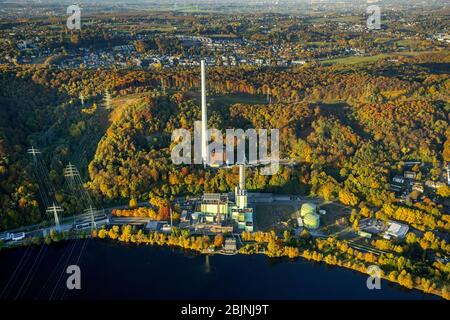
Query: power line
point(77, 263)
point(90, 211)
point(60, 260)
point(46, 187)
point(19, 266)
point(35, 152)
point(30, 271)
point(63, 271)
point(35, 271)
point(55, 210)
point(75, 182)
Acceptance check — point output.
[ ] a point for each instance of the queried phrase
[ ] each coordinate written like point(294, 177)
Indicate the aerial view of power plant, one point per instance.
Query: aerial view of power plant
point(224, 159)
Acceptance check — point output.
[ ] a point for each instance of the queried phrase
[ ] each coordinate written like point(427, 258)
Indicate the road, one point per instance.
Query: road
point(128, 220)
point(67, 224)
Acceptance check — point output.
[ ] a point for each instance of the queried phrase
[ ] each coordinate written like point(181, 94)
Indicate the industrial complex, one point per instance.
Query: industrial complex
point(231, 212)
point(221, 210)
point(227, 209)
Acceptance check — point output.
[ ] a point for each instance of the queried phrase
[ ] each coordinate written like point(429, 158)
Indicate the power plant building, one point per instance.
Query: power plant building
point(218, 208)
point(215, 207)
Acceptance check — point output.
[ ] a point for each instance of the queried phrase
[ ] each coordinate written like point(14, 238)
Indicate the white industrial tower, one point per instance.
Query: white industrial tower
point(204, 116)
point(242, 176)
point(240, 192)
point(448, 173)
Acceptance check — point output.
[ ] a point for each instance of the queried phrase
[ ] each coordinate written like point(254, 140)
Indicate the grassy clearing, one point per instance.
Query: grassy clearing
point(328, 221)
point(410, 43)
point(334, 212)
point(355, 59)
point(349, 19)
point(319, 43)
point(121, 103)
point(368, 59)
point(230, 99)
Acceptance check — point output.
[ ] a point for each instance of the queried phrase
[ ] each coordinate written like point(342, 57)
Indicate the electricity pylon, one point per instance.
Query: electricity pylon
point(55, 209)
point(33, 151)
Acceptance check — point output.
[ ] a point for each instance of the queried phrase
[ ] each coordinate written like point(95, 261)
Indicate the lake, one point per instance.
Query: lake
point(112, 270)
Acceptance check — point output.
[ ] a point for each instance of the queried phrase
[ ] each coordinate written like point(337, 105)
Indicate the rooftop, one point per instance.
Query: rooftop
point(396, 229)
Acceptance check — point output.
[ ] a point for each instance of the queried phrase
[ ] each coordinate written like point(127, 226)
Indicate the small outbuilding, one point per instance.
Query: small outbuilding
point(230, 245)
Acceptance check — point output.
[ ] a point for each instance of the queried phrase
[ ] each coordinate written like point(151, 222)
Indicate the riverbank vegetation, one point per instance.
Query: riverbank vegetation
point(398, 263)
point(406, 270)
point(51, 238)
point(178, 238)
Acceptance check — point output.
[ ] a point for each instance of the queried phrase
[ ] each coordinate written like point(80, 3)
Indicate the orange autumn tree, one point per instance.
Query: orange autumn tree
point(219, 241)
point(348, 198)
point(446, 152)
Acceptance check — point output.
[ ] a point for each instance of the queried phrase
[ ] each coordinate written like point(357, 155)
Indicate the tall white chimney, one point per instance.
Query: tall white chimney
point(448, 173)
point(242, 177)
point(240, 192)
point(204, 116)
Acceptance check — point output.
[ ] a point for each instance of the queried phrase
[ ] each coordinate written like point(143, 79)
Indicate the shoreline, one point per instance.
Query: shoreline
point(301, 254)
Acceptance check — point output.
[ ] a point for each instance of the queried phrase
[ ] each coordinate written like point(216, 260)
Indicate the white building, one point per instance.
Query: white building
point(396, 230)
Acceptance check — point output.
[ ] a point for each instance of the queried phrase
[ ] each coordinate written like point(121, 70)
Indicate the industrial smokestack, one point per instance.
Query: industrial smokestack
point(204, 116)
point(242, 177)
point(448, 174)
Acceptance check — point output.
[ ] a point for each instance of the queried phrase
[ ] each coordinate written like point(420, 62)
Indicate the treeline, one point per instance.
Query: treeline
point(159, 210)
point(417, 218)
point(177, 238)
point(311, 83)
point(400, 262)
point(34, 113)
point(394, 266)
point(25, 109)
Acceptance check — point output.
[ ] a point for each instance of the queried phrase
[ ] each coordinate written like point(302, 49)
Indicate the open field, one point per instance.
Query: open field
point(368, 59)
point(319, 43)
point(355, 59)
point(270, 215)
point(229, 99)
point(412, 43)
point(128, 99)
point(121, 103)
point(348, 19)
point(334, 211)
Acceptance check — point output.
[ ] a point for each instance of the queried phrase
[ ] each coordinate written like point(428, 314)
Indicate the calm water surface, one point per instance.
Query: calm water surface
point(116, 271)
